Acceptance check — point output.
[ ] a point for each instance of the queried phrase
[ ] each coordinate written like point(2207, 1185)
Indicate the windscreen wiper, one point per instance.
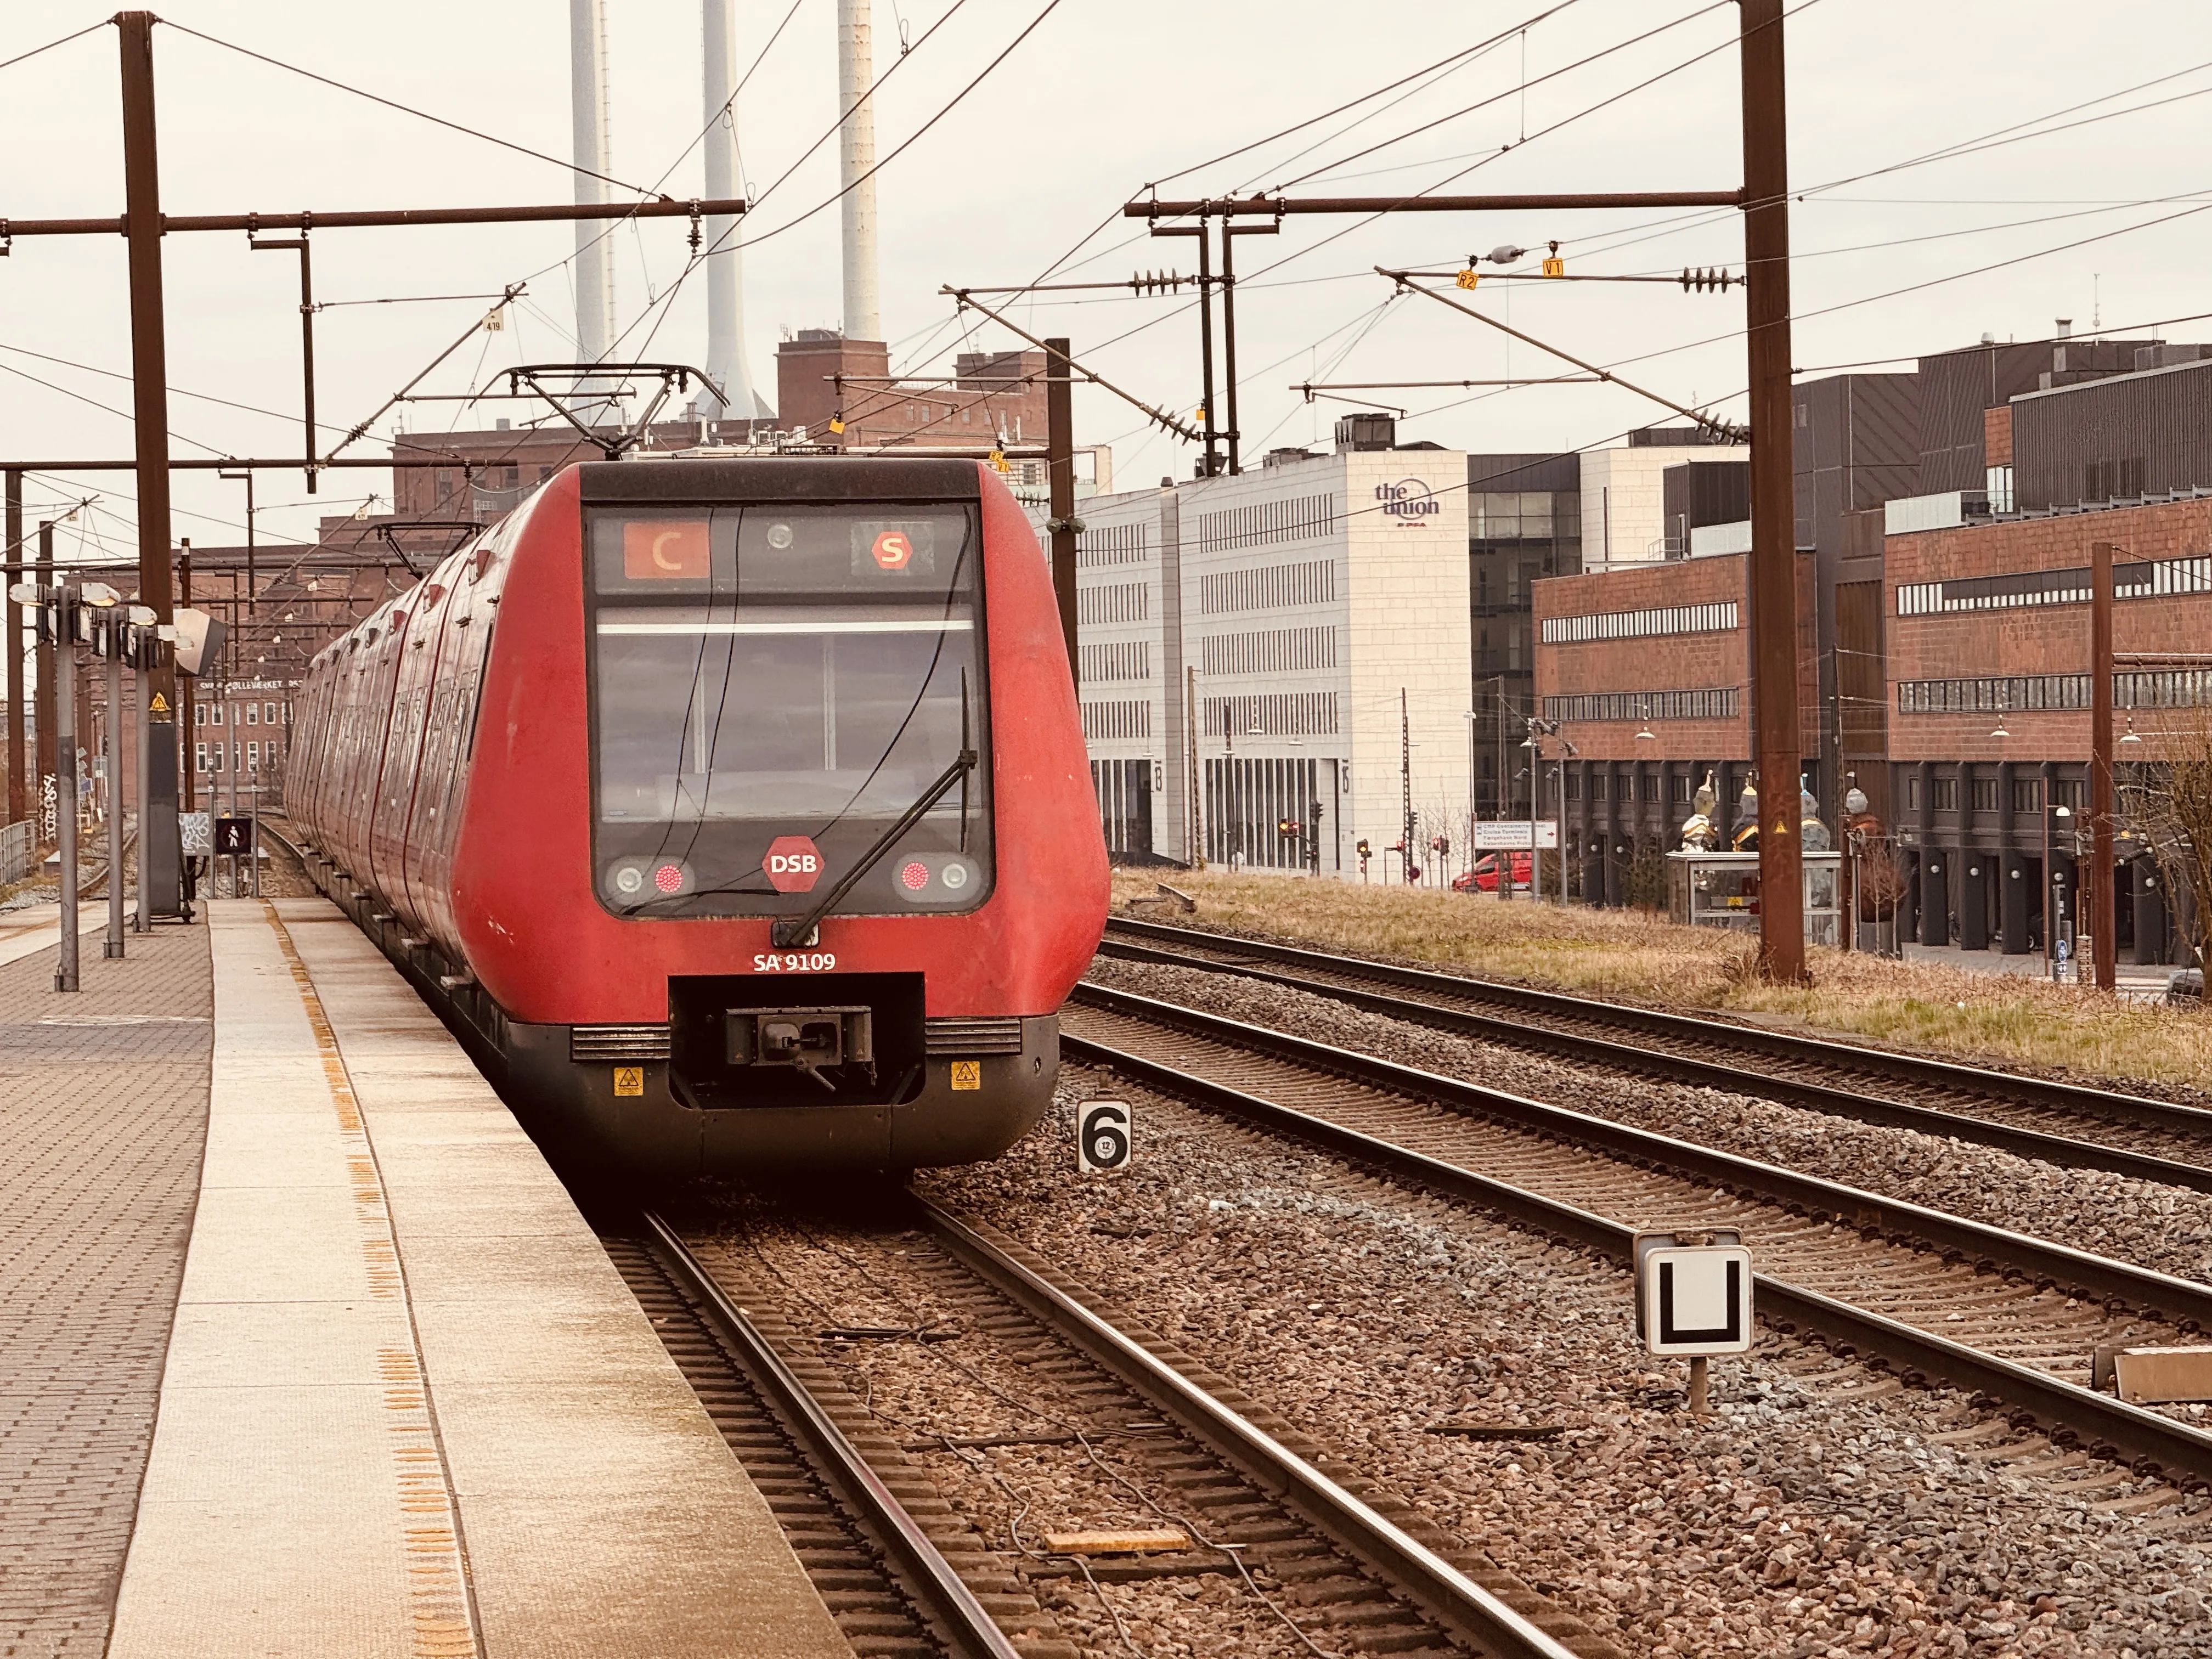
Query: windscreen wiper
point(799, 932)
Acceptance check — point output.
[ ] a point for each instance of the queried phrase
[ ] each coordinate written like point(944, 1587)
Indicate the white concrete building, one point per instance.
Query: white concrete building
point(1624, 508)
point(1292, 643)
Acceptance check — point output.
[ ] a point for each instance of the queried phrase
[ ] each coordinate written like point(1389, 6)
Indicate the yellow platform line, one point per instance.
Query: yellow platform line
point(443, 1623)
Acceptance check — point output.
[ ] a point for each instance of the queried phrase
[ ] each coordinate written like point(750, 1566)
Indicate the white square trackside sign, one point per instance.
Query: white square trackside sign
point(1693, 1296)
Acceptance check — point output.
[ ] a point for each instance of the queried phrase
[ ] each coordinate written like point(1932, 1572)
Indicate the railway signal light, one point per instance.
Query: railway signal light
point(1289, 828)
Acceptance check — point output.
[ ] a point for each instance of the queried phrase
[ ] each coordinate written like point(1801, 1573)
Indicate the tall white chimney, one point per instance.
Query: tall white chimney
point(595, 245)
point(856, 157)
point(727, 364)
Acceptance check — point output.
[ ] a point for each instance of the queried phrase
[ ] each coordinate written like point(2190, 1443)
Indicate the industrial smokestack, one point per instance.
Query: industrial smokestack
point(856, 159)
point(595, 256)
point(727, 364)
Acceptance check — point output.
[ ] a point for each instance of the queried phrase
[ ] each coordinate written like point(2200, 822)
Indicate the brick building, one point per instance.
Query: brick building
point(991, 397)
point(1987, 670)
point(1646, 674)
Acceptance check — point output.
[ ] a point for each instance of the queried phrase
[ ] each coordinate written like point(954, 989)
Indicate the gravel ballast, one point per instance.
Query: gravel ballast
point(2152, 1225)
point(1797, 1520)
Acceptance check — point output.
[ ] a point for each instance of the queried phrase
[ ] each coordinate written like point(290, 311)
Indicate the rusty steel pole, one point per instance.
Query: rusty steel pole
point(1059, 479)
point(2098, 907)
point(18, 801)
point(158, 850)
point(1773, 565)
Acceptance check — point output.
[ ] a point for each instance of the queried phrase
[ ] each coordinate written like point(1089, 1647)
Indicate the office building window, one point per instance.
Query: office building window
point(1311, 582)
point(1117, 719)
point(1597, 707)
point(1112, 543)
point(1269, 651)
point(1123, 602)
point(2148, 579)
point(1641, 624)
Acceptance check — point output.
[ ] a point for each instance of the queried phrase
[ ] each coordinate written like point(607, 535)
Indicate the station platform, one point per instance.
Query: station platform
point(306, 1351)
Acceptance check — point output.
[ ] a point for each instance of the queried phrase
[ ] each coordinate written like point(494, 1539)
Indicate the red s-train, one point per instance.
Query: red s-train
point(735, 810)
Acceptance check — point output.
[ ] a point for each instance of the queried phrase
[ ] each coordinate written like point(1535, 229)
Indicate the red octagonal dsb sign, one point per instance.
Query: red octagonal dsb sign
point(794, 864)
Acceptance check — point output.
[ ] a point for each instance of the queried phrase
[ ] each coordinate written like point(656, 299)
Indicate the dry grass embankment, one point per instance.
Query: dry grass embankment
point(1637, 958)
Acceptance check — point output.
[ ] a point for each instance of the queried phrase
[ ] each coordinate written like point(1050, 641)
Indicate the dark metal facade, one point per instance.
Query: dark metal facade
point(2140, 434)
point(1524, 522)
point(1957, 386)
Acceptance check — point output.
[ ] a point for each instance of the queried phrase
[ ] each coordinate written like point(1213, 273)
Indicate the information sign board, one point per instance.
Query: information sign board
point(1515, 832)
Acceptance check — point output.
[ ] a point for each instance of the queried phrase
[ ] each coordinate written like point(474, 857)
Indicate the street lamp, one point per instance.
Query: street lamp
point(2059, 947)
point(1470, 716)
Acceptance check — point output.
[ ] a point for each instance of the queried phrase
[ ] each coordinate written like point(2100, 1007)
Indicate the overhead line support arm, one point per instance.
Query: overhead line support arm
point(1720, 428)
point(966, 297)
point(391, 218)
point(1276, 206)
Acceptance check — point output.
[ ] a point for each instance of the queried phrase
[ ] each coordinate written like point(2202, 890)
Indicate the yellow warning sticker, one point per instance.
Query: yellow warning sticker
point(629, 1080)
point(160, 705)
point(967, 1074)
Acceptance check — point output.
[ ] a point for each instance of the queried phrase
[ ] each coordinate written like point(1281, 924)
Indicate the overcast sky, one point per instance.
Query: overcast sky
point(1097, 104)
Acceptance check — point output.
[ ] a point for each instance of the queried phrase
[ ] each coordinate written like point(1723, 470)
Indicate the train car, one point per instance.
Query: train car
point(734, 811)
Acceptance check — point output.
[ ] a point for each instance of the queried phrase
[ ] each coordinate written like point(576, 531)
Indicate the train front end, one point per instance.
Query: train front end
point(779, 849)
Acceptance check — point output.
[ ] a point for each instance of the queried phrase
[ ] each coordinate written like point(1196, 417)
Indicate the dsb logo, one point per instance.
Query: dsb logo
point(792, 863)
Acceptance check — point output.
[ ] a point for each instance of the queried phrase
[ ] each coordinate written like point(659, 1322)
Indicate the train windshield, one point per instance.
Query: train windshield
point(774, 687)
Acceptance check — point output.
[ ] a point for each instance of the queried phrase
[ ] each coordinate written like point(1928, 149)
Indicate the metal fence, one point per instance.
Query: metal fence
point(19, 848)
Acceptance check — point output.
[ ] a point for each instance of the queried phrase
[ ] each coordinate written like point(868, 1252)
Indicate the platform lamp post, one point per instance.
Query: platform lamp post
point(2097, 897)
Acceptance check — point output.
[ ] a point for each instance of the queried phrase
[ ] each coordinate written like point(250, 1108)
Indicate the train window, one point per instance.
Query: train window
point(771, 671)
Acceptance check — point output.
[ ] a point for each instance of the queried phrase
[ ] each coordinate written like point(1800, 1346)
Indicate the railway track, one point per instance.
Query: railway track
point(851, 1557)
point(1929, 1294)
point(2062, 1124)
point(1322, 1562)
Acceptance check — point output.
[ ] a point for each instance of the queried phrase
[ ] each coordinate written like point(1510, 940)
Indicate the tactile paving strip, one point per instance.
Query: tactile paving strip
point(444, 1624)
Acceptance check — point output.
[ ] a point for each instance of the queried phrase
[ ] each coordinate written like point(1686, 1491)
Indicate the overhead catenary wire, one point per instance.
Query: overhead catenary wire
point(35, 51)
point(1567, 69)
point(1314, 120)
point(2004, 135)
point(409, 109)
point(1433, 79)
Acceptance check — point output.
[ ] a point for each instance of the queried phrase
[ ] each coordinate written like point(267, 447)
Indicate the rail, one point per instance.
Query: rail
point(2131, 1432)
point(974, 1633)
point(2085, 1111)
point(1440, 1589)
point(1460, 1607)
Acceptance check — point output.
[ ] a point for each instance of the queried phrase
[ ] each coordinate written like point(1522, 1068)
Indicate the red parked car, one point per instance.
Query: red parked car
point(1483, 877)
